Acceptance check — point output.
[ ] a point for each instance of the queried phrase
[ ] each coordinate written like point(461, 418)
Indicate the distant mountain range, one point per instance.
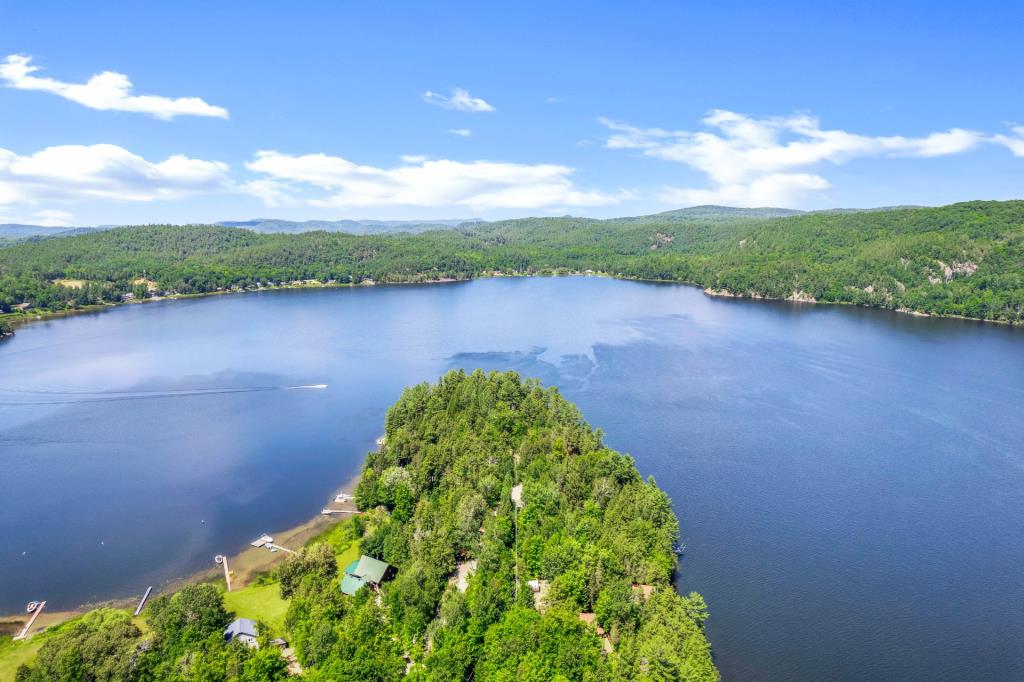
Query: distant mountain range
point(708, 214)
point(349, 226)
point(18, 232)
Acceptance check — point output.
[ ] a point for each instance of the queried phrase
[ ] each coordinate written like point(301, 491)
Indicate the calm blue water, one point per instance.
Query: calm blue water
point(850, 483)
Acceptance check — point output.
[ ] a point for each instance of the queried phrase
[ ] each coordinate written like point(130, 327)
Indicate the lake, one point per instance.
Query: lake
point(849, 482)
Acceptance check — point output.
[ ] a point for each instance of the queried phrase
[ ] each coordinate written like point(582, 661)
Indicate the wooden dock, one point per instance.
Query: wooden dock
point(222, 559)
point(283, 549)
point(31, 621)
point(142, 604)
point(339, 511)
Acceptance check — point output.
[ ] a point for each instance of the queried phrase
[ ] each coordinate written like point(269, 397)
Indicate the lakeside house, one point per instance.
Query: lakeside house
point(364, 571)
point(242, 630)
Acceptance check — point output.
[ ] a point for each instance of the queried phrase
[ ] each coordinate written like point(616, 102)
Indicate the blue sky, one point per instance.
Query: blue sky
point(346, 110)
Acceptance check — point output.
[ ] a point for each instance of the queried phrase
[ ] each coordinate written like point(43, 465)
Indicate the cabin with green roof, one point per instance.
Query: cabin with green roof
point(364, 571)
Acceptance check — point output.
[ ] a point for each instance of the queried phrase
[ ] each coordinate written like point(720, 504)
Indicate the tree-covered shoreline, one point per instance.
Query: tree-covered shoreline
point(522, 549)
point(964, 260)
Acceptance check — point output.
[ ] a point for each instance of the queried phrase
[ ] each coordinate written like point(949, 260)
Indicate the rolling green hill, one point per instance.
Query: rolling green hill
point(272, 225)
point(965, 259)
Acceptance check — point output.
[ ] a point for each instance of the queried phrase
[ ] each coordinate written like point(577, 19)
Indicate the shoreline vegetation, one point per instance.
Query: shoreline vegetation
point(960, 261)
point(520, 547)
point(15, 321)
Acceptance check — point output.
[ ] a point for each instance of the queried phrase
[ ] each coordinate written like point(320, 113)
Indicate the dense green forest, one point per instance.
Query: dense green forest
point(483, 476)
point(965, 259)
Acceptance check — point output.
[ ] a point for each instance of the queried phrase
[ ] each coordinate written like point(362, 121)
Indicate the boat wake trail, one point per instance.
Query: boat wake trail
point(20, 397)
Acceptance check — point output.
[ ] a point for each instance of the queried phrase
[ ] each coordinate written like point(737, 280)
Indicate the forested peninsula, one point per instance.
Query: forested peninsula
point(519, 548)
point(964, 259)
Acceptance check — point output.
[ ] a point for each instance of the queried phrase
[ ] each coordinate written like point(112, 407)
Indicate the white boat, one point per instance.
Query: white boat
point(32, 606)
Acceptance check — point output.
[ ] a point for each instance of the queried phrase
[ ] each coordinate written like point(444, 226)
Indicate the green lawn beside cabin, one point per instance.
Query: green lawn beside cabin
point(262, 603)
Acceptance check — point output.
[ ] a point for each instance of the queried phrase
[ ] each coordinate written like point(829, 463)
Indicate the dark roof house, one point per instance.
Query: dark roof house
point(242, 630)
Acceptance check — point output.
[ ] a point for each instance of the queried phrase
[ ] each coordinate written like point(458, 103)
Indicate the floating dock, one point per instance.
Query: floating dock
point(31, 621)
point(262, 541)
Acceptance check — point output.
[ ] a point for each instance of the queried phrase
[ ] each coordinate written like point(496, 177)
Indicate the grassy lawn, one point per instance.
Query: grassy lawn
point(341, 537)
point(259, 602)
point(13, 654)
point(348, 556)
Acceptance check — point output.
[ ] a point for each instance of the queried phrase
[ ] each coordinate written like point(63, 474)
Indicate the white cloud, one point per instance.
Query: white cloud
point(756, 161)
point(461, 132)
point(414, 158)
point(776, 189)
point(106, 91)
point(52, 218)
point(270, 192)
point(432, 183)
point(460, 100)
point(1015, 142)
point(103, 171)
